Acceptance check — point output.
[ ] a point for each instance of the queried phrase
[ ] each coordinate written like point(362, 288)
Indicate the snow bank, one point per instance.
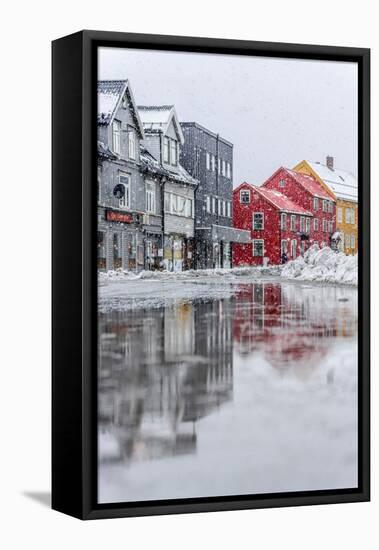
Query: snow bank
point(323, 265)
point(255, 272)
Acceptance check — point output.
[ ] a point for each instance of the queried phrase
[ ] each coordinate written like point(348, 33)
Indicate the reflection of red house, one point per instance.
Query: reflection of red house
point(307, 192)
point(277, 224)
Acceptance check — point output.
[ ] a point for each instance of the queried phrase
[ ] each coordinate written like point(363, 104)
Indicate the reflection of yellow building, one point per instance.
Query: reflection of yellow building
point(344, 188)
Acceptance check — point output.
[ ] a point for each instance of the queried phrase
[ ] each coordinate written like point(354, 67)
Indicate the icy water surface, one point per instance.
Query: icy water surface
point(244, 390)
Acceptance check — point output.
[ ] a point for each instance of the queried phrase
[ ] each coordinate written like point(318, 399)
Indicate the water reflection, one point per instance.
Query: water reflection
point(162, 371)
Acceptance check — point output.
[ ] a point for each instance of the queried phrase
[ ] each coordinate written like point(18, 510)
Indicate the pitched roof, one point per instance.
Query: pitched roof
point(109, 97)
point(157, 118)
point(343, 184)
point(280, 201)
point(310, 184)
point(104, 152)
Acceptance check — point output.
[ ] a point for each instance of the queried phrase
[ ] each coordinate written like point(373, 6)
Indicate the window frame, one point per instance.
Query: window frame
point(263, 248)
point(248, 192)
point(116, 133)
point(262, 214)
point(124, 202)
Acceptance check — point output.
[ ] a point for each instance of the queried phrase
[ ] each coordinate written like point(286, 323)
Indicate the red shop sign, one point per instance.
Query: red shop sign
point(119, 217)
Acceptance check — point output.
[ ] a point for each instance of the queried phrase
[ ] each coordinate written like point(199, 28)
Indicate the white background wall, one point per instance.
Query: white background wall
point(27, 29)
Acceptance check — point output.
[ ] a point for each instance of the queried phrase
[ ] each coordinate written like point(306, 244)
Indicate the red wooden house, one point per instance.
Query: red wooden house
point(307, 192)
point(278, 225)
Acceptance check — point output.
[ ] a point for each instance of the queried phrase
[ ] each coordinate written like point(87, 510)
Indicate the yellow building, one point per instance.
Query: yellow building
point(343, 187)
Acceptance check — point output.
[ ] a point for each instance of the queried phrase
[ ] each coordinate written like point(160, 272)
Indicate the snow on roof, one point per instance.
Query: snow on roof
point(310, 184)
point(280, 201)
point(109, 93)
point(109, 96)
point(157, 118)
point(151, 164)
point(343, 184)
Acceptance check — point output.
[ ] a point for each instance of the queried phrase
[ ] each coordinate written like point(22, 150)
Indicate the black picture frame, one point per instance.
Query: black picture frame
point(74, 295)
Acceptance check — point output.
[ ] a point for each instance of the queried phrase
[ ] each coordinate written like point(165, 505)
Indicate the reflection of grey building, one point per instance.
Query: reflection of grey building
point(209, 158)
point(163, 138)
point(160, 371)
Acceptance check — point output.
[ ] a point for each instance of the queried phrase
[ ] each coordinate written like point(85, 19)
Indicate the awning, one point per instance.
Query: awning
point(230, 234)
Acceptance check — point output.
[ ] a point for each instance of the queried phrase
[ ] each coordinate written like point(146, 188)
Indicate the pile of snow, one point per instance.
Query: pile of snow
point(255, 272)
point(323, 265)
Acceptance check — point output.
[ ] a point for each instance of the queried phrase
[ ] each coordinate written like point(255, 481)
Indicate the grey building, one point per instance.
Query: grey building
point(163, 138)
point(209, 158)
point(121, 186)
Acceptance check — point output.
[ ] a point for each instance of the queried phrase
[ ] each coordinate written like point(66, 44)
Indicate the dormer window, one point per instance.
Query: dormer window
point(170, 151)
point(116, 136)
point(132, 144)
point(173, 152)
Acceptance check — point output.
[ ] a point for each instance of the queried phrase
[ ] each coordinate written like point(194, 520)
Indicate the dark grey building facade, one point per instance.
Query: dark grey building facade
point(209, 158)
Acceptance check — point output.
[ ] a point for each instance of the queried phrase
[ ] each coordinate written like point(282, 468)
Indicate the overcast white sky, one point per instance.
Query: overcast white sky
point(276, 112)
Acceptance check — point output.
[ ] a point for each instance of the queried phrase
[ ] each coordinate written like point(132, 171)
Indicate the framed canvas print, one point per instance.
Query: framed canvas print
point(210, 274)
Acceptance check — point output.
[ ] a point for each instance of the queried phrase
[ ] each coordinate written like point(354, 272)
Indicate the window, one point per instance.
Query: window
point(208, 204)
point(315, 224)
point(283, 221)
point(173, 152)
point(330, 227)
point(315, 203)
point(282, 183)
point(258, 247)
point(166, 150)
point(150, 197)
point(116, 136)
point(229, 209)
point(347, 241)
point(219, 207)
point(352, 241)
point(224, 208)
point(219, 165)
point(213, 163)
point(258, 221)
point(132, 144)
point(307, 225)
point(228, 170)
point(352, 216)
point(188, 208)
point(339, 214)
point(331, 207)
point(213, 204)
point(123, 193)
point(293, 223)
point(99, 184)
point(283, 247)
point(223, 169)
point(302, 224)
point(324, 205)
point(245, 196)
point(324, 226)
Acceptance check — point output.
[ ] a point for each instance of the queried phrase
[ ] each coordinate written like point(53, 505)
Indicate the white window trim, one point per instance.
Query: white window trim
point(263, 221)
point(283, 221)
point(293, 222)
point(245, 191)
point(116, 131)
point(151, 197)
point(263, 248)
point(124, 202)
point(132, 144)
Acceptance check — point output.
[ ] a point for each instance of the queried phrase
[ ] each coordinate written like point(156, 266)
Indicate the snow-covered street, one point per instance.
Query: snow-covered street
point(236, 381)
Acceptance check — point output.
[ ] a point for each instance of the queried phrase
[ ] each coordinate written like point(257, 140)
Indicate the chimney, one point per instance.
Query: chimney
point(330, 162)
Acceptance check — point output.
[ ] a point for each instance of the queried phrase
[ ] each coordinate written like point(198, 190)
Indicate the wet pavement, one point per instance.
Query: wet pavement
point(249, 390)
